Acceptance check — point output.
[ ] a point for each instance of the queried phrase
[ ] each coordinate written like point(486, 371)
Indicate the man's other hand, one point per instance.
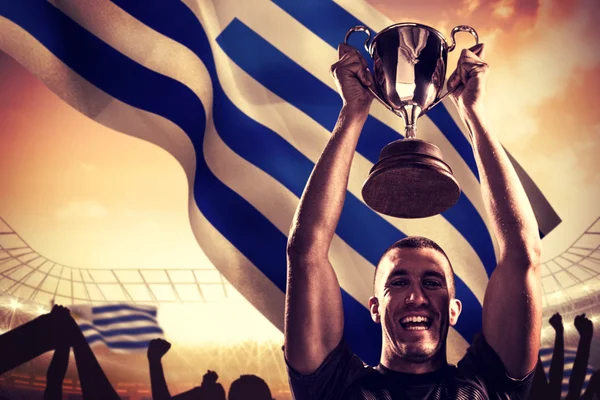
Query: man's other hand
point(467, 82)
point(352, 77)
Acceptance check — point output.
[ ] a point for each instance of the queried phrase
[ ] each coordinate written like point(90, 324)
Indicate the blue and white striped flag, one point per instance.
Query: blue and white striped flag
point(239, 93)
point(121, 327)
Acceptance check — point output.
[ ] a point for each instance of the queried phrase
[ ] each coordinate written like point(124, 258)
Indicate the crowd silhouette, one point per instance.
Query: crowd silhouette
point(551, 388)
point(58, 331)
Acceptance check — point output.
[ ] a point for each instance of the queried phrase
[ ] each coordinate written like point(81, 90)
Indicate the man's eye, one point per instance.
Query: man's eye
point(432, 283)
point(400, 282)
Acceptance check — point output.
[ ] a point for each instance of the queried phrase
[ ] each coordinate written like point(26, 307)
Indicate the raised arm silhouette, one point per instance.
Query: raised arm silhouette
point(56, 373)
point(56, 330)
point(558, 358)
point(586, 331)
point(208, 390)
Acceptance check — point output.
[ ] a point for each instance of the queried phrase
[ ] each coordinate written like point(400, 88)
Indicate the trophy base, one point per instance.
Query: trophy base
point(410, 180)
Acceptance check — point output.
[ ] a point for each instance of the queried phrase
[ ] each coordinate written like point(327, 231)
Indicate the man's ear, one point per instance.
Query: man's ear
point(374, 308)
point(455, 310)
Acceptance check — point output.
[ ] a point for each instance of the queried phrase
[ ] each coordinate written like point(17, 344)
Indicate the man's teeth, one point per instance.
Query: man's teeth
point(416, 328)
point(413, 319)
point(415, 323)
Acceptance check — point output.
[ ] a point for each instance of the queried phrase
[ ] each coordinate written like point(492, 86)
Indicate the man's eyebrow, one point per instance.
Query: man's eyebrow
point(398, 272)
point(436, 274)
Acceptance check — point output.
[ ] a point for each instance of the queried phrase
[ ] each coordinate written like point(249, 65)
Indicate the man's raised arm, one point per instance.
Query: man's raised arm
point(314, 319)
point(512, 304)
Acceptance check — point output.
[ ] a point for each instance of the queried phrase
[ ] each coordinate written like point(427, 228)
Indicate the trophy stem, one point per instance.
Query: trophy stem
point(410, 113)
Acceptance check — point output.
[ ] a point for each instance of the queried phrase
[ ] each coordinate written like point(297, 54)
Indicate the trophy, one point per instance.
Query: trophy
point(410, 180)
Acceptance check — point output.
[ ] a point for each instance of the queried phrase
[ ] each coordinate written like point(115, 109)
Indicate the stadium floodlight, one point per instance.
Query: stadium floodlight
point(14, 304)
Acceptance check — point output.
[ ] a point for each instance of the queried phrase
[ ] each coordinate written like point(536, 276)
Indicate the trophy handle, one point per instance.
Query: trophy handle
point(459, 28)
point(360, 28)
point(367, 45)
point(462, 28)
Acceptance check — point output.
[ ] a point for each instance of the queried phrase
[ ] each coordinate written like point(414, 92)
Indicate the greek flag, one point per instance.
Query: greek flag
point(239, 93)
point(121, 327)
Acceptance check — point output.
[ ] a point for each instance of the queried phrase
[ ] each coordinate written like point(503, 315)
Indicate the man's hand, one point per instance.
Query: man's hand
point(157, 348)
point(584, 326)
point(556, 322)
point(352, 77)
point(467, 83)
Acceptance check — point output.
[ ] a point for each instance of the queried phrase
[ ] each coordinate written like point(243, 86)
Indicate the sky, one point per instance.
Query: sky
point(84, 195)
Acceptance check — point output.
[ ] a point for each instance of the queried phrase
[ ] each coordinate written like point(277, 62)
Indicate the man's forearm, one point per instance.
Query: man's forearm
point(321, 204)
point(510, 212)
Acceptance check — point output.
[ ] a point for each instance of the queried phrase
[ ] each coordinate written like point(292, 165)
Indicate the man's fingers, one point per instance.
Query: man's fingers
point(363, 76)
point(467, 56)
point(453, 81)
point(479, 50)
point(344, 48)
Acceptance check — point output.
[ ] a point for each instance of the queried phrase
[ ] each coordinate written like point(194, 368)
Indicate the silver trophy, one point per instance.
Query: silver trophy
point(410, 180)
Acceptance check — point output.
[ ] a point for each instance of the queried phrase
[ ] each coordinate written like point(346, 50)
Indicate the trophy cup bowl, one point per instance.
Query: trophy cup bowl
point(411, 179)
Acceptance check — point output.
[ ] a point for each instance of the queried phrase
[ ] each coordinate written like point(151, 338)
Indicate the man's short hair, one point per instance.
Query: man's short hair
point(419, 242)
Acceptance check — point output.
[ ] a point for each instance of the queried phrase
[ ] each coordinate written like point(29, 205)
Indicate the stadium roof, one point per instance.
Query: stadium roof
point(29, 276)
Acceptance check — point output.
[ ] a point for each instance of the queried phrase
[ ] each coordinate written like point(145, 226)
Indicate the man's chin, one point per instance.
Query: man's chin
point(418, 353)
point(418, 349)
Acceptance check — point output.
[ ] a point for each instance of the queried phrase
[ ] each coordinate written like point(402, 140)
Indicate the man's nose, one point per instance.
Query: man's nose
point(417, 296)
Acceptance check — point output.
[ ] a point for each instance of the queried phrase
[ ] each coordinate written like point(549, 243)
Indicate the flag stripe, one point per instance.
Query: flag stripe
point(123, 318)
point(117, 332)
point(123, 344)
point(327, 20)
point(121, 307)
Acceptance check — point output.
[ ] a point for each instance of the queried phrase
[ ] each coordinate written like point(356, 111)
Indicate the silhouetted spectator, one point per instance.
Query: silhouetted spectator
point(553, 389)
point(586, 331)
point(31, 339)
point(54, 330)
point(56, 373)
point(558, 359)
point(249, 387)
point(208, 390)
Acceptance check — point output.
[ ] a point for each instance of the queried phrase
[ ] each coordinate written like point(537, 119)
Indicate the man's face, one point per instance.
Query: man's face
point(412, 302)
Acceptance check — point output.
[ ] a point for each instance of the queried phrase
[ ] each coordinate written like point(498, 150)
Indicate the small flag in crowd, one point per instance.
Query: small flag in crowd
point(121, 327)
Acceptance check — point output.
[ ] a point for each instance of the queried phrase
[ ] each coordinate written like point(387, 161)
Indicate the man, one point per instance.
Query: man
point(209, 389)
point(413, 297)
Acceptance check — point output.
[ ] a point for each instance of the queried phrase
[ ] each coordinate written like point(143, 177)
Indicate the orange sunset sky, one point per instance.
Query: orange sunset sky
point(87, 196)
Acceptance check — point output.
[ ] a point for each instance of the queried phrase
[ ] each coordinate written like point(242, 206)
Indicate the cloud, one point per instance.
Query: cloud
point(540, 65)
point(504, 9)
point(84, 209)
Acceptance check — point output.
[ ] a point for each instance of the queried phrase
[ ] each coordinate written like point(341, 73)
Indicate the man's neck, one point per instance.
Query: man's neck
point(394, 362)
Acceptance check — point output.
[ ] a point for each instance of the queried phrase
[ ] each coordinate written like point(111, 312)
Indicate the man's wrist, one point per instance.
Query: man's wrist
point(473, 114)
point(355, 112)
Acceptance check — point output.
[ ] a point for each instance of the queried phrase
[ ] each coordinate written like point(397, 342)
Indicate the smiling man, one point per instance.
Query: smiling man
point(414, 293)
